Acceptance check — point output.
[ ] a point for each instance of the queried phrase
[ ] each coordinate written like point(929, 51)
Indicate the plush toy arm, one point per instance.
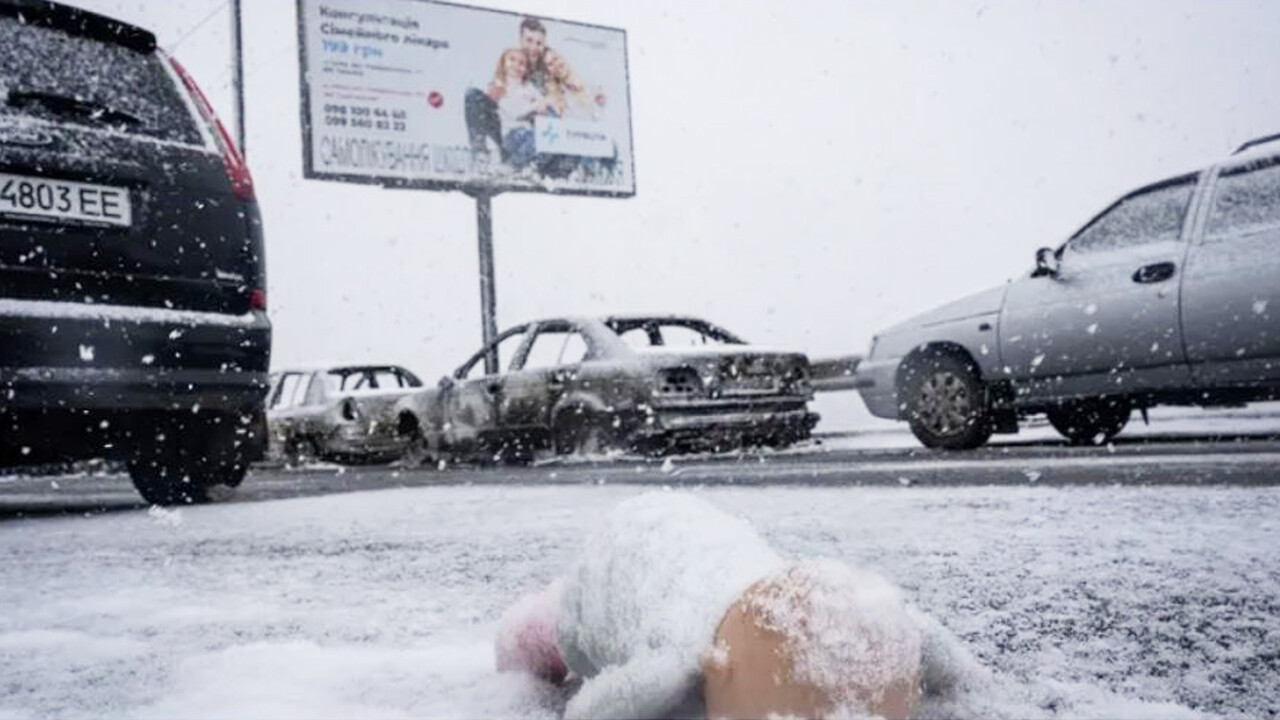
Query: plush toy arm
point(647, 686)
point(947, 666)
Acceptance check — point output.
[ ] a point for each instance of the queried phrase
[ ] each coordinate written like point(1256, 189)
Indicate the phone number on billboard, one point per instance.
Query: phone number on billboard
point(363, 116)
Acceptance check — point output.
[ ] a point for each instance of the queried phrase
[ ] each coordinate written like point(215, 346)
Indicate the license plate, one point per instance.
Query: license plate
point(64, 200)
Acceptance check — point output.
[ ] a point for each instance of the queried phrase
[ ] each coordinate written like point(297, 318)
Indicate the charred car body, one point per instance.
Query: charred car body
point(132, 284)
point(581, 385)
point(337, 413)
point(1169, 296)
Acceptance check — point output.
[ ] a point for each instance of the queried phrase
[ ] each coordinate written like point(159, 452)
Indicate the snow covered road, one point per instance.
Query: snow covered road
point(1089, 601)
point(839, 461)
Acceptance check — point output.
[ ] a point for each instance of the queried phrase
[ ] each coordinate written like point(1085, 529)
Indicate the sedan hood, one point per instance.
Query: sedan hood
point(986, 302)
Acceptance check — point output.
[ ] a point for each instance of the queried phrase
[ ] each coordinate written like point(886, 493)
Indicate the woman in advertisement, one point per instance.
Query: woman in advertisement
point(570, 99)
point(518, 101)
point(567, 94)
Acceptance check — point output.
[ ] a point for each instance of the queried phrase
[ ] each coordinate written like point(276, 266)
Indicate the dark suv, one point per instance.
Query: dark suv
point(132, 286)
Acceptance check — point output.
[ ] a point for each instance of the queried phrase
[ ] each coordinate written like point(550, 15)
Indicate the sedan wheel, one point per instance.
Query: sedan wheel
point(946, 403)
point(417, 451)
point(581, 433)
point(1090, 422)
point(301, 452)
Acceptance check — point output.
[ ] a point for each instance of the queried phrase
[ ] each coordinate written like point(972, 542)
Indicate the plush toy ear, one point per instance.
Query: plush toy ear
point(527, 637)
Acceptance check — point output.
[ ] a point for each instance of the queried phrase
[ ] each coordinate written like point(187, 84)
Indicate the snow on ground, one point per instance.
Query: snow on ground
point(1256, 419)
point(1093, 601)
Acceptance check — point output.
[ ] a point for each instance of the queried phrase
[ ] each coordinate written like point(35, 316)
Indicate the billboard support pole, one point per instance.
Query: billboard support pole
point(488, 313)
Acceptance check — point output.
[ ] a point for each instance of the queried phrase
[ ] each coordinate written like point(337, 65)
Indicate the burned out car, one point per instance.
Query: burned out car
point(584, 385)
point(336, 413)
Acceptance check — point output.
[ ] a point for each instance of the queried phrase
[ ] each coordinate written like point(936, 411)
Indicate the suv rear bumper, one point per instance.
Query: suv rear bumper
point(68, 368)
point(120, 390)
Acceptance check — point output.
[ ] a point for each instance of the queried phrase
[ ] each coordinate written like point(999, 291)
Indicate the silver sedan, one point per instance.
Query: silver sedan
point(1169, 296)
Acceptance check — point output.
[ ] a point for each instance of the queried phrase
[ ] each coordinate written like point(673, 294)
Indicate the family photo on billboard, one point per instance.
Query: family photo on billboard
point(536, 116)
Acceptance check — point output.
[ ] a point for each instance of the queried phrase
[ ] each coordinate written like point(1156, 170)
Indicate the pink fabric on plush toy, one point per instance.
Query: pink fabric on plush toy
point(526, 639)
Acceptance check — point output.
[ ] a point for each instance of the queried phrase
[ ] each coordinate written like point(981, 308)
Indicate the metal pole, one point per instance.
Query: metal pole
point(488, 314)
point(237, 72)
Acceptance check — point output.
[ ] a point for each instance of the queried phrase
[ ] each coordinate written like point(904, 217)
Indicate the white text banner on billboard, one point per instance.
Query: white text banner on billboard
point(418, 93)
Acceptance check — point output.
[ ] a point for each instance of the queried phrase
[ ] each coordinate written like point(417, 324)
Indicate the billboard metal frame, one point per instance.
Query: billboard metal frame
point(470, 188)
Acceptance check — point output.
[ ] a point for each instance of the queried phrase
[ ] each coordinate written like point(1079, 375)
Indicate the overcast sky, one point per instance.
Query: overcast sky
point(807, 172)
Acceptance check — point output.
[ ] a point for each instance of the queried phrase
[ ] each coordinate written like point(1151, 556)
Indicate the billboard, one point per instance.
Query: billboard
point(425, 94)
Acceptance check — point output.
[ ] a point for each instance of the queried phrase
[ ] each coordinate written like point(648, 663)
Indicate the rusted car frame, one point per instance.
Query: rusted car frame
point(336, 413)
point(584, 385)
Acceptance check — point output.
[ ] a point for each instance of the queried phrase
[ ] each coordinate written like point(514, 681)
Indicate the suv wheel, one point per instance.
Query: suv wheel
point(1090, 422)
point(182, 460)
point(946, 403)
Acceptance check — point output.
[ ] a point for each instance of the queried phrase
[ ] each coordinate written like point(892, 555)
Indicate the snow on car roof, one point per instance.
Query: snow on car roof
point(617, 317)
point(336, 367)
point(656, 317)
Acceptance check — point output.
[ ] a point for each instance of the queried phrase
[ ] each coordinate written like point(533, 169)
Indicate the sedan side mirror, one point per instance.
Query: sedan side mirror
point(1046, 263)
point(445, 383)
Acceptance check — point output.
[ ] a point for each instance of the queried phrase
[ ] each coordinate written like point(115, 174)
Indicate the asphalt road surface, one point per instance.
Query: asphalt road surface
point(1233, 460)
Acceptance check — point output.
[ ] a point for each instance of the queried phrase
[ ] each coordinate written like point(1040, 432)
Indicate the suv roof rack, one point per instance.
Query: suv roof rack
point(74, 21)
point(1257, 141)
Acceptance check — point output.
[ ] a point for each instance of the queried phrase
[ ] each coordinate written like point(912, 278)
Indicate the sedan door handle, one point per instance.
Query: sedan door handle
point(1158, 272)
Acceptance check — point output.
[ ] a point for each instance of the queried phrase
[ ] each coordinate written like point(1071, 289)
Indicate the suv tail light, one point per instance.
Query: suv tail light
point(257, 299)
point(237, 168)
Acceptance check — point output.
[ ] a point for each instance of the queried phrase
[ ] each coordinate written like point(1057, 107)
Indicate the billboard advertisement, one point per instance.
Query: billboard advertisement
point(418, 93)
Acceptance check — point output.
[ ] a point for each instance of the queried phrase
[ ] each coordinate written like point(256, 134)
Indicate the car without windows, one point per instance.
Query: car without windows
point(133, 319)
point(586, 385)
point(337, 413)
point(1169, 296)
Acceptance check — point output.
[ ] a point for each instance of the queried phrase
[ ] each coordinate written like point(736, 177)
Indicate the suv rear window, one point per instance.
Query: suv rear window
point(52, 75)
